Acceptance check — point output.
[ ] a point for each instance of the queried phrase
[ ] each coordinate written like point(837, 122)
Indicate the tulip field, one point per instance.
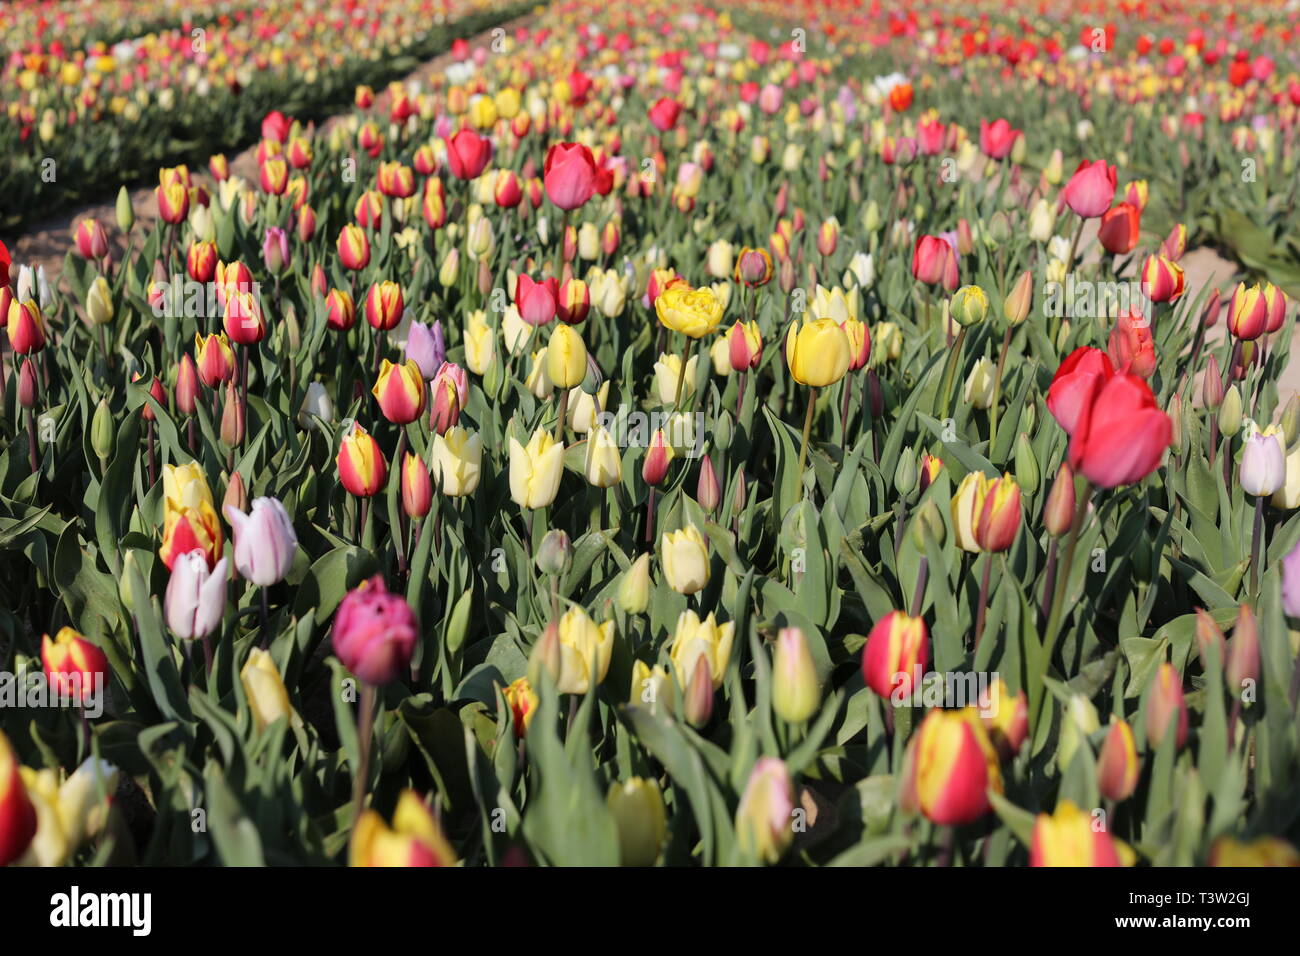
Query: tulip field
point(737, 433)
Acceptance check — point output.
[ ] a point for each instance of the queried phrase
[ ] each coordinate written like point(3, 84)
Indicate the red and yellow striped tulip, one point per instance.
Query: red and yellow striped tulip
point(17, 815)
point(1071, 837)
point(74, 667)
point(1117, 764)
point(414, 839)
point(361, 464)
point(896, 654)
point(949, 768)
point(400, 391)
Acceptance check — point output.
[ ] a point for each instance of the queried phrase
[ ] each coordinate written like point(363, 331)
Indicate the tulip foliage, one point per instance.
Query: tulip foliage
point(645, 442)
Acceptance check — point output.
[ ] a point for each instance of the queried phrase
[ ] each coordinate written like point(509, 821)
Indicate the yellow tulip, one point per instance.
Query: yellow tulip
point(638, 810)
point(817, 352)
point(457, 461)
point(585, 649)
point(693, 312)
point(685, 558)
point(694, 639)
point(566, 357)
point(267, 697)
point(603, 466)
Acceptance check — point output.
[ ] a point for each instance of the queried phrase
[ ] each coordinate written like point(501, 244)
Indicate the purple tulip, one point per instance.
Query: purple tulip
point(265, 542)
point(426, 347)
point(196, 597)
point(1291, 582)
point(374, 632)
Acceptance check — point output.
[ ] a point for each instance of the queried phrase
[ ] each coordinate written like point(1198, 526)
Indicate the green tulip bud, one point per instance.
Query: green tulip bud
point(634, 586)
point(927, 517)
point(1290, 421)
point(124, 592)
point(1230, 413)
point(1027, 473)
point(905, 473)
point(555, 556)
point(722, 431)
point(101, 430)
point(125, 214)
point(969, 305)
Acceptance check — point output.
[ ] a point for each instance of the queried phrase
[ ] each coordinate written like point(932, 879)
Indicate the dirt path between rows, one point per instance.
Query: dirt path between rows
point(46, 243)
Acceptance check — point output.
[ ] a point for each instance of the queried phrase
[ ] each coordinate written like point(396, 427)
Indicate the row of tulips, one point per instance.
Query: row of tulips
point(80, 118)
point(641, 524)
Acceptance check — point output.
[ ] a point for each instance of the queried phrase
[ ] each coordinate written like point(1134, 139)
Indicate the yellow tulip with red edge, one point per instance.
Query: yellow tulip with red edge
point(189, 516)
point(400, 391)
point(1073, 837)
point(361, 463)
point(413, 839)
point(949, 768)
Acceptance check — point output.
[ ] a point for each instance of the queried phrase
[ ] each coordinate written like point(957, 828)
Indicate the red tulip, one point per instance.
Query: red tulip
point(1091, 189)
point(1131, 347)
point(1120, 435)
point(1119, 229)
point(997, 138)
point(934, 261)
point(664, 114)
point(1072, 384)
point(569, 174)
point(467, 154)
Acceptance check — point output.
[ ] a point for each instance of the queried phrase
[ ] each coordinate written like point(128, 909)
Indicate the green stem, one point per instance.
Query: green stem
point(949, 371)
point(803, 446)
point(997, 389)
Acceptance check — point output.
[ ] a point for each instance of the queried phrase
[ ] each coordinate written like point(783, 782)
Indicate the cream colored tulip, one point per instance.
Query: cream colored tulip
point(457, 461)
point(535, 470)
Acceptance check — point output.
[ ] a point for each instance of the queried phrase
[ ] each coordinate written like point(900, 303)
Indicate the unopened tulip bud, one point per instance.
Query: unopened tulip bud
point(1027, 473)
point(638, 811)
point(1016, 306)
point(236, 495)
point(1058, 511)
point(739, 497)
point(545, 657)
point(1212, 384)
point(1166, 707)
point(187, 385)
point(125, 592)
point(101, 430)
point(766, 810)
point(795, 690)
point(1243, 651)
point(1290, 421)
point(723, 430)
point(232, 418)
point(125, 214)
point(698, 706)
point(786, 276)
point(27, 384)
point(634, 586)
point(707, 490)
point(905, 473)
point(1230, 413)
point(969, 305)
point(555, 556)
point(1117, 763)
point(1210, 643)
point(927, 518)
point(417, 487)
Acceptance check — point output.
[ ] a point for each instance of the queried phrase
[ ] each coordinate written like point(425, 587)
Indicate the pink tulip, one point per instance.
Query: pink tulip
point(1091, 189)
point(374, 632)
